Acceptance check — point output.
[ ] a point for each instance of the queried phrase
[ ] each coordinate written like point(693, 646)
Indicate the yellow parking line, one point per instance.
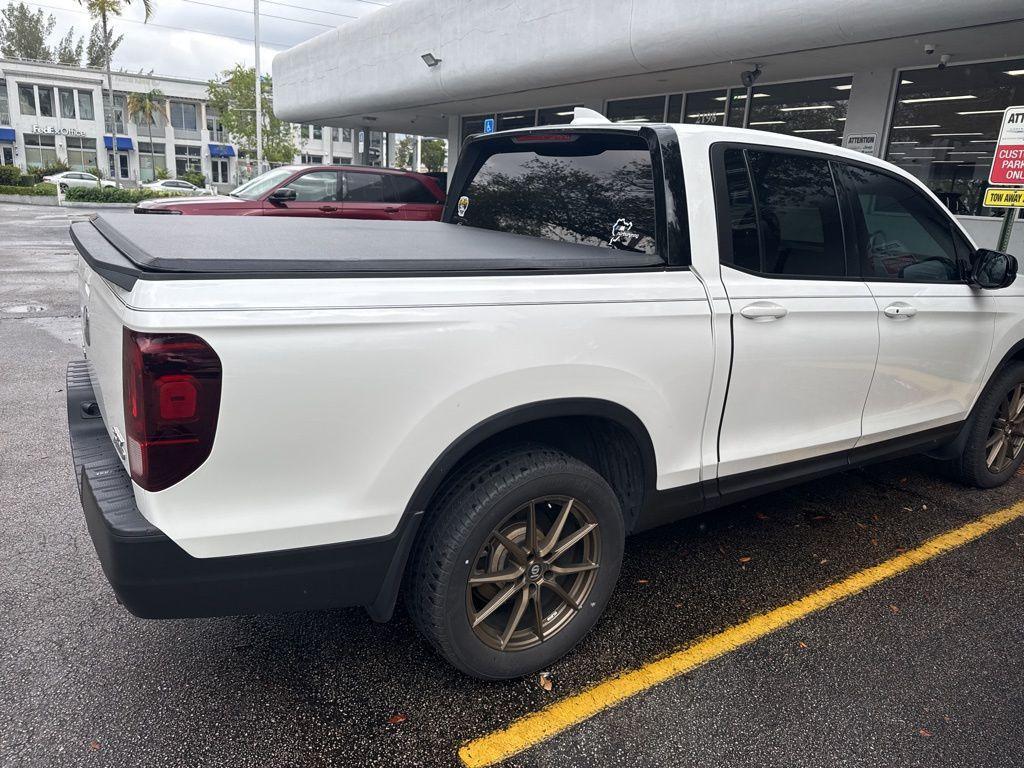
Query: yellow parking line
point(539, 726)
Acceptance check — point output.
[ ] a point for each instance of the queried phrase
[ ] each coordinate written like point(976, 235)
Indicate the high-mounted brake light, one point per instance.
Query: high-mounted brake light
point(536, 138)
point(171, 401)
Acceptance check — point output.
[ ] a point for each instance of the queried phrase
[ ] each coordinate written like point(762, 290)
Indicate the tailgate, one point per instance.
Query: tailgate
point(102, 329)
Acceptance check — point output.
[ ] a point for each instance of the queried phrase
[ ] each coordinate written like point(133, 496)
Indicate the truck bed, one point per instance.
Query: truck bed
point(126, 248)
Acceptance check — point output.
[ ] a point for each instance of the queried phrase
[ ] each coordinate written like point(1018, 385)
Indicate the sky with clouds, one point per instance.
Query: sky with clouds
point(199, 38)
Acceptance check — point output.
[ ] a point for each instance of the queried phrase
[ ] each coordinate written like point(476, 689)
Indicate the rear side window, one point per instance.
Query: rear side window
point(363, 187)
point(405, 189)
point(900, 233)
point(594, 189)
point(801, 232)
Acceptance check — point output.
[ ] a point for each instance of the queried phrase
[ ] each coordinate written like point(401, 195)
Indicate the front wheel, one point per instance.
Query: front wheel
point(520, 555)
point(995, 443)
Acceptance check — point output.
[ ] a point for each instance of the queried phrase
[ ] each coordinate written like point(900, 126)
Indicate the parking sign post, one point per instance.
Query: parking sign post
point(1008, 164)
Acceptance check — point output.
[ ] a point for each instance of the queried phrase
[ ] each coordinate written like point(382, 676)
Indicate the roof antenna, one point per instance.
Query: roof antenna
point(584, 116)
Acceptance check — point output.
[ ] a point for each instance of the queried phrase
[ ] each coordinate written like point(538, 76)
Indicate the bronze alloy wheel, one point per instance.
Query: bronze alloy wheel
point(533, 573)
point(1006, 437)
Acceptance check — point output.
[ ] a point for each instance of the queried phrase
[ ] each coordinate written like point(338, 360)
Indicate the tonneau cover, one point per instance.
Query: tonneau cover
point(125, 248)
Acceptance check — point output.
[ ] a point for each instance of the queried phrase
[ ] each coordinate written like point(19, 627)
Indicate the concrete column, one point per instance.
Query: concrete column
point(417, 147)
point(869, 108)
point(454, 143)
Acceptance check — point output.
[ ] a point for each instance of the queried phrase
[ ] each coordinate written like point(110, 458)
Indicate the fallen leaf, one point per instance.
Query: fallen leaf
point(894, 609)
point(859, 525)
point(874, 542)
point(823, 562)
point(925, 732)
point(94, 745)
point(923, 506)
point(678, 605)
point(816, 517)
point(397, 718)
point(898, 549)
point(802, 644)
point(760, 515)
point(638, 581)
point(544, 681)
point(745, 559)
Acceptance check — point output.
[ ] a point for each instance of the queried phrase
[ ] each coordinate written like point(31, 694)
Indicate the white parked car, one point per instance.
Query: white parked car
point(177, 187)
point(69, 179)
point(612, 327)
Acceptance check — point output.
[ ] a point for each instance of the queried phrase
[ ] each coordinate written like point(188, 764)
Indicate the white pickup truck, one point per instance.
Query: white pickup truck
point(613, 326)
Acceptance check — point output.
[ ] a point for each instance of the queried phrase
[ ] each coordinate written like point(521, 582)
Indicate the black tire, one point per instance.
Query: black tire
point(468, 508)
point(972, 467)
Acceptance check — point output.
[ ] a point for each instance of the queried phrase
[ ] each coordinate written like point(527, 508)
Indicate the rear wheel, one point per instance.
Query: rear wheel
point(995, 444)
point(520, 555)
point(63, 187)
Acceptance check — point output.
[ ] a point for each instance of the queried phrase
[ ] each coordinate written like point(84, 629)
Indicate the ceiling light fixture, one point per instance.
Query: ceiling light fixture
point(805, 109)
point(430, 60)
point(1014, 72)
point(765, 122)
point(938, 98)
point(815, 130)
point(909, 127)
point(979, 133)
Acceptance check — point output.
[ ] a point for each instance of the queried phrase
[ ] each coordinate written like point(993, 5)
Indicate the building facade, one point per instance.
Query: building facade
point(53, 112)
point(922, 85)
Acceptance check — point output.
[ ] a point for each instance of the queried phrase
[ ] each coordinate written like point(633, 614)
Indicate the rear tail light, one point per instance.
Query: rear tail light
point(171, 401)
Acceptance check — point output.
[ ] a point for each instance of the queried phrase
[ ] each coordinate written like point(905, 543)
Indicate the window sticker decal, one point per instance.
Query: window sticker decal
point(463, 205)
point(623, 234)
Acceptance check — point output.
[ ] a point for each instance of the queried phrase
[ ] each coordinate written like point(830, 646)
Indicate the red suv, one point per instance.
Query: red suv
point(331, 191)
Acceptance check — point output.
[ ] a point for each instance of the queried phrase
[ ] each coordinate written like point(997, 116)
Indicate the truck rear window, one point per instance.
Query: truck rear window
point(594, 189)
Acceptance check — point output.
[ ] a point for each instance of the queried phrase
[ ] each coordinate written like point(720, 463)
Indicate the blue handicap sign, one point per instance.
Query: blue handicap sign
point(488, 125)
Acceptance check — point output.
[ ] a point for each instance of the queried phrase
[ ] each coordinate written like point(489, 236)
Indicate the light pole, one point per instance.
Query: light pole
point(259, 88)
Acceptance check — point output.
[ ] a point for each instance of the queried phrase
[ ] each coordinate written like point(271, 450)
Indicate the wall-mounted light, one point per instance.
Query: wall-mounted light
point(430, 60)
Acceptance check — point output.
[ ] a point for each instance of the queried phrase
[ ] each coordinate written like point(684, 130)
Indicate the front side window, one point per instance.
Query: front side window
point(794, 200)
point(316, 187)
point(746, 244)
point(900, 233)
point(594, 189)
point(256, 188)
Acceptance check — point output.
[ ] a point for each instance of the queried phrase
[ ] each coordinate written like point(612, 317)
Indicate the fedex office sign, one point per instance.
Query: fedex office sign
point(1008, 161)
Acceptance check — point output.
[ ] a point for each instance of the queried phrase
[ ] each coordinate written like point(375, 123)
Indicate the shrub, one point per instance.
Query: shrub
point(97, 172)
point(39, 190)
point(110, 195)
point(194, 177)
point(48, 170)
point(10, 175)
point(163, 173)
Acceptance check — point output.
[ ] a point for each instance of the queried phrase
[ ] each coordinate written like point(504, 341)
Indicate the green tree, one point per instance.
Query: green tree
point(233, 95)
point(404, 151)
point(68, 51)
point(23, 33)
point(102, 11)
point(433, 153)
point(96, 52)
point(144, 107)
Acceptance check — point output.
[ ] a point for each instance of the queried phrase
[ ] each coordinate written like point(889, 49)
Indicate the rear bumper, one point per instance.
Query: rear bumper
point(155, 578)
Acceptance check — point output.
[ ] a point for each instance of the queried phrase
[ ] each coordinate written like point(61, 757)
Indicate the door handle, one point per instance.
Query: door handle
point(763, 312)
point(328, 208)
point(899, 311)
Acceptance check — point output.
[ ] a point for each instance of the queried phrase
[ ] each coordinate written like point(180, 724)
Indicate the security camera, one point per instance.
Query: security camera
point(944, 60)
point(929, 48)
point(749, 77)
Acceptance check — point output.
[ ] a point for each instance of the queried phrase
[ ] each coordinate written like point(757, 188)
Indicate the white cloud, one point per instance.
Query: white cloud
point(219, 36)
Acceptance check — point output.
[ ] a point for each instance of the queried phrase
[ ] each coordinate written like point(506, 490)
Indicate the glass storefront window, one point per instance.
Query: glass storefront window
point(40, 150)
point(475, 124)
point(705, 108)
point(647, 109)
point(556, 115)
point(81, 153)
point(945, 124)
point(151, 156)
point(524, 118)
point(187, 158)
point(675, 108)
point(814, 109)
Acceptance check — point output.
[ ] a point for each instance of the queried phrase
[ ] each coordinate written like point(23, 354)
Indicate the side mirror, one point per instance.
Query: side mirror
point(993, 269)
point(283, 195)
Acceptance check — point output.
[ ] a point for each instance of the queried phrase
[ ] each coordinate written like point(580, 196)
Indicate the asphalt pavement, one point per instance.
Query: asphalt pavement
point(924, 669)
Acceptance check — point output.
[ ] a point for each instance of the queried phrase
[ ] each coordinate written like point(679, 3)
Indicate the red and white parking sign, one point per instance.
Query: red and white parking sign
point(1008, 162)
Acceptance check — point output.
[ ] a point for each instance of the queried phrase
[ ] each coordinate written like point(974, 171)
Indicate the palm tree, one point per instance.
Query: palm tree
point(143, 107)
point(103, 10)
